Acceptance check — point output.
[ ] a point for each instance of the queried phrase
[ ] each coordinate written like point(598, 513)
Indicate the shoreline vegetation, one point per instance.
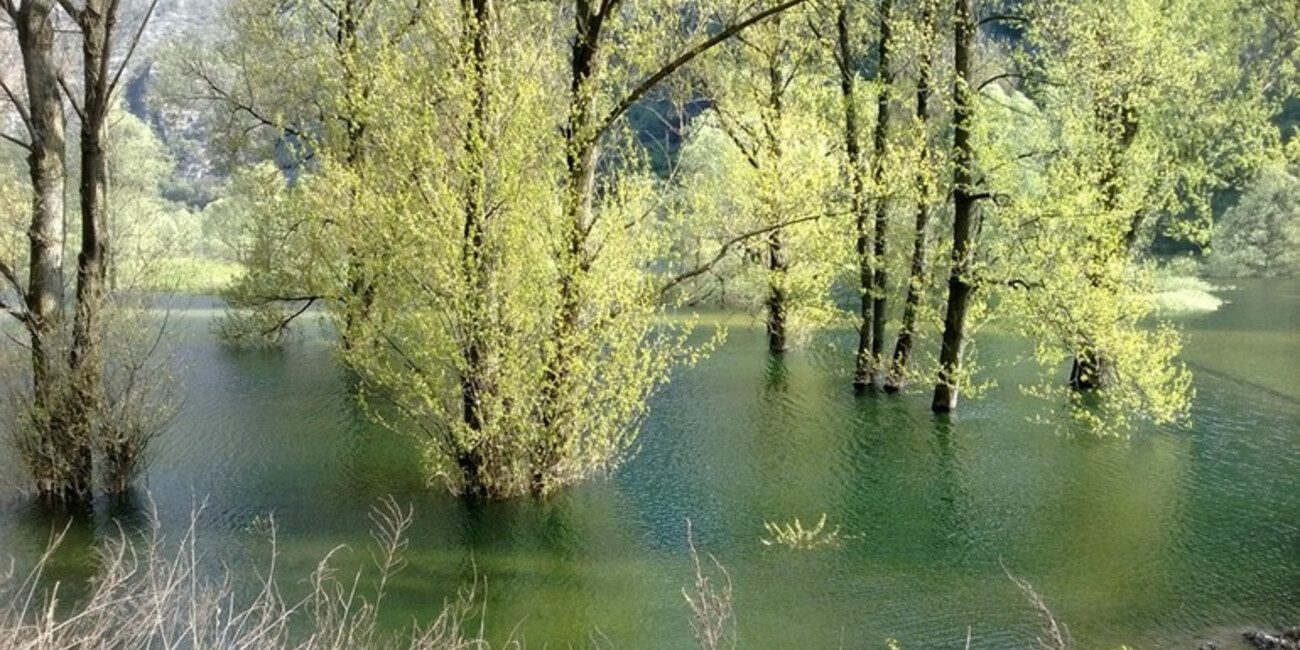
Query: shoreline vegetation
point(149, 592)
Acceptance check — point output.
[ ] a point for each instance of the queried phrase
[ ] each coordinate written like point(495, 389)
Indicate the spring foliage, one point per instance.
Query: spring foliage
point(458, 185)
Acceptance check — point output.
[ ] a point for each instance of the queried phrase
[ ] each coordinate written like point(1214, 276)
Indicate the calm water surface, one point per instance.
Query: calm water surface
point(1172, 535)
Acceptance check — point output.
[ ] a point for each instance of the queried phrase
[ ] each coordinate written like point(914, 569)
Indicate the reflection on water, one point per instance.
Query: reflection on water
point(1147, 541)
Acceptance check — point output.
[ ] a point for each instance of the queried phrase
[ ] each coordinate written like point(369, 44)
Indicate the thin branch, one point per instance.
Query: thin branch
point(135, 43)
point(686, 57)
point(18, 314)
point(7, 272)
point(237, 107)
point(400, 34)
point(999, 77)
point(72, 99)
point(72, 10)
point(15, 141)
point(1003, 18)
point(284, 322)
point(18, 106)
point(726, 248)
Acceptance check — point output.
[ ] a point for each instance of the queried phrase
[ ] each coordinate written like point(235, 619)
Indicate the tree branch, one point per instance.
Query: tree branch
point(72, 10)
point(218, 94)
point(7, 272)
point(15, 141)
point(18, 105)
point(135, 43)
point(284, 323)
point(1003, 18)
point(72, 99)
point(726, 248)
point(653, 80)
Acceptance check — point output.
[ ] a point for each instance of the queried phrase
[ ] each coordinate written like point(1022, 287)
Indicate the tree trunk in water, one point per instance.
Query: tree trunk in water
point(897, 377)
point(879, 276)
point(777, 262)
point(776, 300)
point(361, 291)
point(61, 465)
point(474, 382)
point(1093, 369)
point(960, 287)
point(581, 154)
point(858, 200)
point(86, 362)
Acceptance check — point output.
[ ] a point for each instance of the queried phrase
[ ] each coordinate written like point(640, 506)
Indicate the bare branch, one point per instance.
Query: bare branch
point(15, 141)
point(18, 105)
point(726, 248)
point(7, 272)
point(284, 323)
point(1003, 18)
point(72, 99)
point(686, 57)
point(72, 10)
point(135, 43)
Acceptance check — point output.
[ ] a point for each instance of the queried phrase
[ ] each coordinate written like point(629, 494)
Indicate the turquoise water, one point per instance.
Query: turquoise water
point(1159, 540)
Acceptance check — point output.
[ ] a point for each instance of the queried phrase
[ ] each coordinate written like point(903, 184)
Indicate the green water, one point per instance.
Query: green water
point(1156, 541)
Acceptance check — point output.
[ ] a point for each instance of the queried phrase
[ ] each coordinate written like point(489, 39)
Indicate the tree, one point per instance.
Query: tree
point(510, 296)
point(917, 282)
point(58, 459)
point(772, 179)
point(961, 284)
point(70, 412)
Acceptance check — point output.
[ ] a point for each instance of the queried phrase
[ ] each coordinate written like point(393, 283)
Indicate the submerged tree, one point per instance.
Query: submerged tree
point(759, 174)
point(511, 296)
point(73, 415)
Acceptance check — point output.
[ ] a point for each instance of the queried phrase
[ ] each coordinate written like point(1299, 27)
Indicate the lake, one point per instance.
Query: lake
point(1158, 540)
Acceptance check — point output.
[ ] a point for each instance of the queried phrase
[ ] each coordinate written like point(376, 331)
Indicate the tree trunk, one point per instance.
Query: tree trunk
point(474, 381)
point(1094, 369)
point(581, 153)
point(61, 462)
point(879, 271)
point(777, 263)
point(858, 199)
point(85, 360)
point(897, 377)
point(361, 290)
point(776, 299)
point(960, 286)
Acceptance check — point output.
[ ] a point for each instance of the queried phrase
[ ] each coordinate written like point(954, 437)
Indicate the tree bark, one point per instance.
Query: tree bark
point(474, 381)
point(859, 203)
point(63, 467)
point(897, 377)
point(777, 262)
point(85, 360)
point(879, 276)
point(960, 285)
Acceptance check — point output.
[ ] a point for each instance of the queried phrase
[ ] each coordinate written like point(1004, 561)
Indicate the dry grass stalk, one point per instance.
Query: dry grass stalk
point(152, 596)
point(712, 620)
point(1055, 635)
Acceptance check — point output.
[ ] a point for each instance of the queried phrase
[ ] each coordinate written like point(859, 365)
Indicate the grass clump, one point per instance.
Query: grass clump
point(794, 535)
